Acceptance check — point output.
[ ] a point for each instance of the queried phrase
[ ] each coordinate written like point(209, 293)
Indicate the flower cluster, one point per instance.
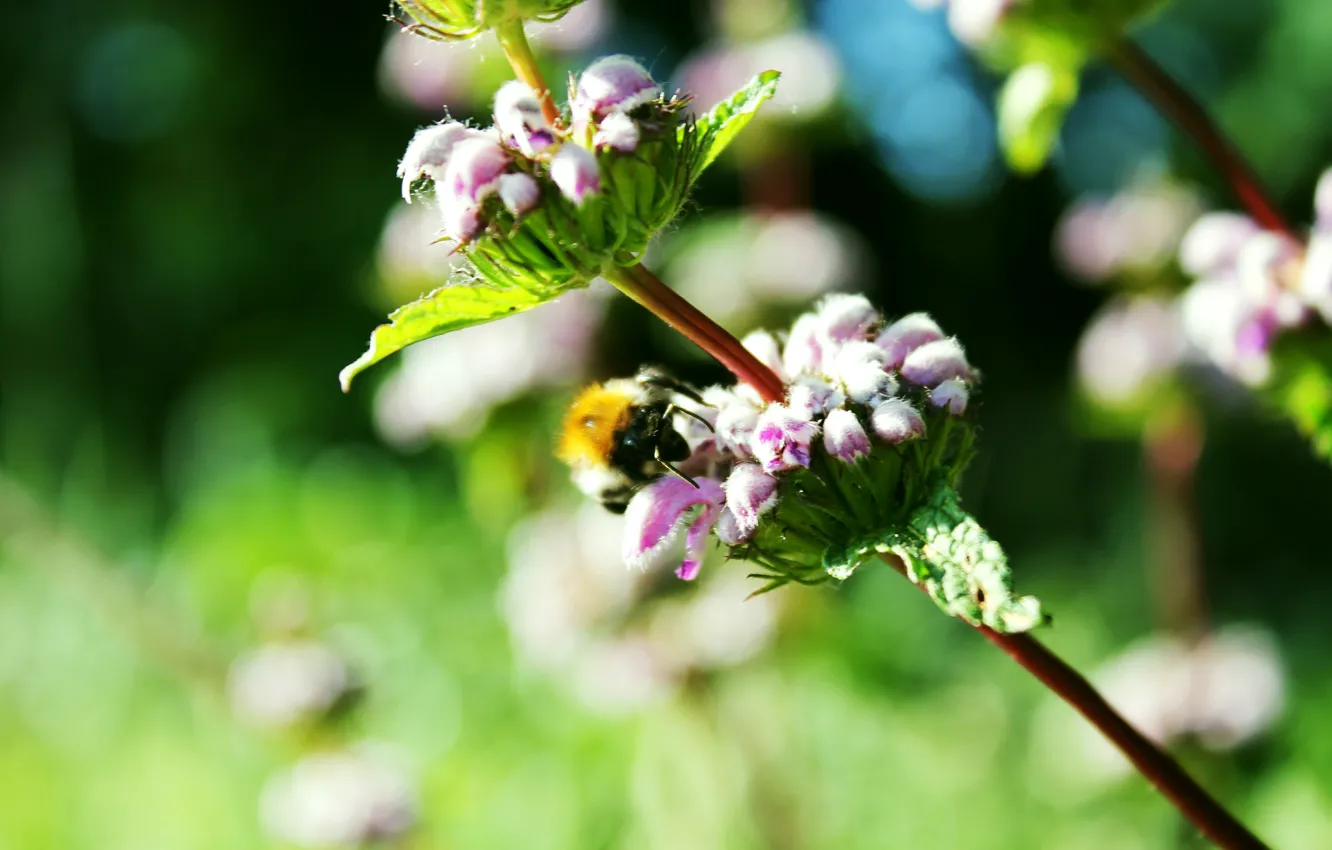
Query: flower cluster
point(860, 458)
point(546, 205)
point(1252, 284)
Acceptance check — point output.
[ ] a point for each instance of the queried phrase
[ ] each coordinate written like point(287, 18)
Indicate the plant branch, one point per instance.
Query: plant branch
point(513, 41)
point(1181, 107)
point(1209, 816)
point(647, 289)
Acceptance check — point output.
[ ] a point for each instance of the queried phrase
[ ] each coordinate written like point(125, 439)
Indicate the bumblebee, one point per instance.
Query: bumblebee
point(620, 435)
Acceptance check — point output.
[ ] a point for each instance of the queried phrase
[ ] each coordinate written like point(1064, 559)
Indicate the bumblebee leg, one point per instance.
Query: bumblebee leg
point(656, 454)
point(675, 408)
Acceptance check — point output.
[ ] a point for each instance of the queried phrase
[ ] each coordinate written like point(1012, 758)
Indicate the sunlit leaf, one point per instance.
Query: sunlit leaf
point(449, 308)
point(717, 129)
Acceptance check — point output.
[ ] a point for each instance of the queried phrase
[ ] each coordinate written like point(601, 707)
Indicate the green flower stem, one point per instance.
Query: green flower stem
point(647, 289)
point(1151, 761)
point(513, 41)
point(1181, 107)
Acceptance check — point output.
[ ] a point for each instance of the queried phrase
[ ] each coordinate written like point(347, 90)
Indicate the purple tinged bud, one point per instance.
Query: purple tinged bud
point(860, 367)
point(617, 132)
point(519, 119)
point(812, 397)
point(764, 347)
point(750, 493)
point(803, 354)
point(519, 192)
point(657, 513)
point(474, 171)
point(951, 394)
point(782, 439)
point(844, 437)
point(846, 317)
point(896, 421)
point(737, 418)
point(935, 362)
point(728, 529)
point(428, 153)
point(462, 220)
point(613, 84)
point(576, 172)
point(1213, 244)
point(906, 335)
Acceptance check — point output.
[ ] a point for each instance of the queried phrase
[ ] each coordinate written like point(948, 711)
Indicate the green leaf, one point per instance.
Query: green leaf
point(719, 127)
point(449, 308)
point(1032, 105)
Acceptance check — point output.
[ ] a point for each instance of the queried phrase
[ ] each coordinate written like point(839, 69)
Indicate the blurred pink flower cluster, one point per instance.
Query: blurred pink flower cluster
point(1247, 286)
point(576, 614)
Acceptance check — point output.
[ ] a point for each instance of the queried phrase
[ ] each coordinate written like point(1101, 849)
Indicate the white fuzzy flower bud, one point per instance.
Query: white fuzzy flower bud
point(576, 172)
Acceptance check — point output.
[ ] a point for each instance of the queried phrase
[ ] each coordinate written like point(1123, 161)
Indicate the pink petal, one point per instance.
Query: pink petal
point(653, 518)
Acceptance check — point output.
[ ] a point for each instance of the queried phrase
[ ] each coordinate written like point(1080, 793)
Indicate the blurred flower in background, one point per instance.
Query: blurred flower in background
point(357, 797)
point(619, 639)
point(1220, 691)
point(1134, 233)
point(280, 684)
point(734, 267)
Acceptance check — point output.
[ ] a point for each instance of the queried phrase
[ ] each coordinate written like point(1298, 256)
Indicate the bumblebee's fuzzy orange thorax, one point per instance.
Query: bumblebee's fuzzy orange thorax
point(588, 434)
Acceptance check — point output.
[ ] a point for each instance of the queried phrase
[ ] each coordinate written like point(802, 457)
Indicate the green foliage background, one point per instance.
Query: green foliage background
point(190, 197)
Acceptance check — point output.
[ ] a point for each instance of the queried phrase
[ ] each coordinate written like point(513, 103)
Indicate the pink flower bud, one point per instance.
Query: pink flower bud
point(428, 153)
point(462, 220)
point(519, 119)
point(613, 84)
point(782, 439)
point(1214, 242)
point(860, 368)
point(896, 421)
point(804, 347)
point(750, 493)
point(935, 362)
point(474, 170)
point(846, 317)
point(617, 132)
point(519, 192)
point(737, 417)
point(763, 346)
point(656, 514)
point(906, 335)
point(812, 397)
point(951, 394)
point(576, 172)
point(844, 437)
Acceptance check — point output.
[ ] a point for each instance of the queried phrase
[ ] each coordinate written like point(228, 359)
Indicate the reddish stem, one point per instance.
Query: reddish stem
point(647, 289)
point(1182, 108)
point(1155, 764)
